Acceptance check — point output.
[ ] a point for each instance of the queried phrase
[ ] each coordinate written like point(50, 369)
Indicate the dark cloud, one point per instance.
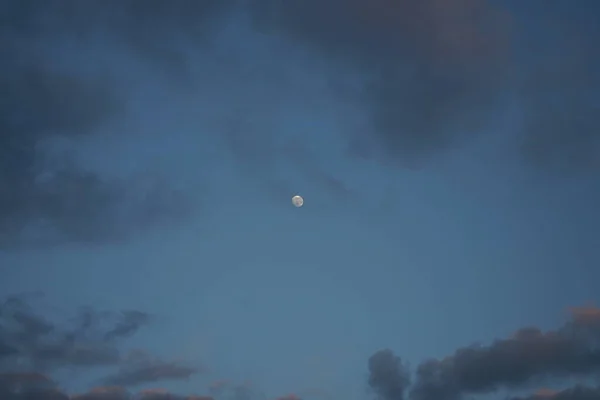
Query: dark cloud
point(40, 102)
point(142, 368)
point(575, 393)
point(114, 326)
point(226, 390)
point(151, 30)
point(16, 313)
point(104, 393)
point(441, 71)
point(388, 377)
point(43, 345)
point(161, 394)
point(515, 362)
point(434, 73)
point(129, 323)
point(59, 352)
point(117, 393)
point(18, 390)
point(559, 97)
point(15, 381)
point(28, 386)
point(527, 358)
point(434, 68)
point(36, 103)
point(37, 347)
point(7, 350)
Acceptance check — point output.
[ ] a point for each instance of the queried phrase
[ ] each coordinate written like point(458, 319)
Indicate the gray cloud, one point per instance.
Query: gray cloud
point(570, 351)
point(435, 70)
point(574, 393)
point(440, 72)
point(36, 104)
point(129, 323)
point(28, 386)
point(558, 96)
point(39, 346)
point(40, 102)
point(527, 358)
point(141, 368)
point(433, 74)
point(42, 345)
point(104, 393)
point(389, 378)
point(226, 390)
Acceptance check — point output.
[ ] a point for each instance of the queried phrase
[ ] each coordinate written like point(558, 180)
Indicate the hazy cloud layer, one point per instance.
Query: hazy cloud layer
point(437, 72)
point(47, 198)
point(433, 71)
point(424, 75)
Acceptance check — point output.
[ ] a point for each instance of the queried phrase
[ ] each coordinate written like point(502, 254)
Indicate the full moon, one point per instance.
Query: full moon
point(297, 201)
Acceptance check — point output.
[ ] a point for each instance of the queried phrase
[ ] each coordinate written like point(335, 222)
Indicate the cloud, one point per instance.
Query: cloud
point(388, 377)
point(162, 394)
point(558, 98)
point(32, 341)
point(23, 387)
point(427, 75)
point(36, 104)
point(141, 368)
point(527, 358)
point(433, 70)
point(438, 72)
point(104, 393)
point(15, 381)
point(54, 196)
point(570, 351)
point(40, 347)
point(575, 393)
point(128, 324)
point(226, 390)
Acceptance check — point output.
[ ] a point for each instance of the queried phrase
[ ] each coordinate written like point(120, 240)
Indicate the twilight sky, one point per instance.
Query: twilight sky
point(447, 151)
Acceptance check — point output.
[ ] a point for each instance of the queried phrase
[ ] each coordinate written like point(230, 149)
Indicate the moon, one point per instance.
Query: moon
point(297, 201)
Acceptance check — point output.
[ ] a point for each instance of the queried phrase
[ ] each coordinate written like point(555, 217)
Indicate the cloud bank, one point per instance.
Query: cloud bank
point(525, 359)
point(437, 73)
point(34, 348)
point(419, 77)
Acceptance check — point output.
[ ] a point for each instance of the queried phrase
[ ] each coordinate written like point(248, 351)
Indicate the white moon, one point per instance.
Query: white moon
point(297, 201)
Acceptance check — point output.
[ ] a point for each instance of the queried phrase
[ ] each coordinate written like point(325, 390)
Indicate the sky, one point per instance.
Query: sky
point(448, 157)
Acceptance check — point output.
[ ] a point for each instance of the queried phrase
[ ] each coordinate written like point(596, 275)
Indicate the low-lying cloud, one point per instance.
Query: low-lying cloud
point(40, 347)
point(36, 346)
point(141, 367)
point(518, 362)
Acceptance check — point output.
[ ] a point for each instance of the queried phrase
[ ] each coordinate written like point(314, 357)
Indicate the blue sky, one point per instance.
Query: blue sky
point(451, 188)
